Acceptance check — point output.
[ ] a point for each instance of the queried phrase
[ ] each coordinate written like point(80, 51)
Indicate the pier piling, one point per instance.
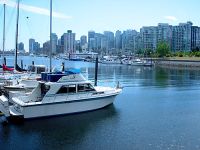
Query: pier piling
point(96, 71)
point(63, 66)
point(22, 64)
point(4, 60)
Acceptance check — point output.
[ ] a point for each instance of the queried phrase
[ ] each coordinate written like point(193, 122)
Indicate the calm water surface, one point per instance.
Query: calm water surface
point(159, 108)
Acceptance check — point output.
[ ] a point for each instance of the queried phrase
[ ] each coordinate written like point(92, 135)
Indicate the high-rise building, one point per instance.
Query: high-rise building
point(118, 40)
point(149, 37)
point(198, 38)
point(128, 39)
point(54, 43)
point(31, 45)
point(109, 37)
point(83, 40)
point(37, 48)
point(68, 40)
point(60, 47)
point(91, 40)
point(164, 33)
point(21, 47)
point(195, 45)
point(98, 41)
point(46, 48)
point(34, 46)
point(138, 43)
point(182, 37)
point(78, 46)
point(83, 43)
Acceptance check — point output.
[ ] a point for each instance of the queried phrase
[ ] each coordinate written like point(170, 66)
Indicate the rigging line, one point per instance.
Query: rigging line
point(27, 23)
point(1, 14)
point(28, 26)
point(27, 20)
point(1, 10)
point(10, 21)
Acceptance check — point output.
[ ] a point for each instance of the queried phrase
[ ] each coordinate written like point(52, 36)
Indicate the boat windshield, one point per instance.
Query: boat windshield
point(44, 89)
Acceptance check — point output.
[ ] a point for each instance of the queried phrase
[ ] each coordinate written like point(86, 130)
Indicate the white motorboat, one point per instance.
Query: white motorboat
point(110, 60)
point(141, 62)
point(58, 94)
point(137, 62)
point(126, 61)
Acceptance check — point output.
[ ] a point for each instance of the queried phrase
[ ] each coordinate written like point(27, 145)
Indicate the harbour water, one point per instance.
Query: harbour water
point(159, 108)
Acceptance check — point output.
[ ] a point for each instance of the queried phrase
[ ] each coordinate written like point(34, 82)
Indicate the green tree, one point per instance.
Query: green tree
point(162, 49)
point(148, 52)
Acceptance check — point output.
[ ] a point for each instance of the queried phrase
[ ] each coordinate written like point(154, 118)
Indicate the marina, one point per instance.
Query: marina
point(158, 109)
point(79, 85)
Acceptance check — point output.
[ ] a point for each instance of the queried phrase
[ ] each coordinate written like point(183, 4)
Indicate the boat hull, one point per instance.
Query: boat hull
point(67, 107)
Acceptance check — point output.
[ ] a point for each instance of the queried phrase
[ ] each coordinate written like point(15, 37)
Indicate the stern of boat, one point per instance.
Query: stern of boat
point(4, 105)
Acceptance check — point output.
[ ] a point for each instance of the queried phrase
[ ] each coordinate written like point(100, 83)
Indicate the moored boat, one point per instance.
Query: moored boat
point(58, 94)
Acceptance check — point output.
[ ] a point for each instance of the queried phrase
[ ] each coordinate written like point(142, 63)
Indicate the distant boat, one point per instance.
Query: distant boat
point(110, 60)
point(141, 62)
point(5, 68)
point(126, 61)
point(137, 62)
point(27, 81)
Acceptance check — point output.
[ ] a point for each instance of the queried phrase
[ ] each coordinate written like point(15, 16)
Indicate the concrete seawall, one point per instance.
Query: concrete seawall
point(178, 63)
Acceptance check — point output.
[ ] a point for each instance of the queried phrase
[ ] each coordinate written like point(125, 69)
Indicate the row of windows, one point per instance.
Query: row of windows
point(72, 88)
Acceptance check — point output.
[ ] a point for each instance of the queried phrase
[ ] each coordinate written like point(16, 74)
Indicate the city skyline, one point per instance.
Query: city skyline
point(82, 16)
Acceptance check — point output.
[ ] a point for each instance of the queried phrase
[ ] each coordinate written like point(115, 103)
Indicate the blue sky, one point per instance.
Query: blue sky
point(98, 15)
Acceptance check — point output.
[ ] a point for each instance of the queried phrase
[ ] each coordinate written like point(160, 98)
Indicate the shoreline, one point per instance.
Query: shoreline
point(178, 62)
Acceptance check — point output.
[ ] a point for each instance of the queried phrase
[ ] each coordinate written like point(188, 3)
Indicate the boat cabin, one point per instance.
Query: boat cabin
point(74, 88)
point(37, 69)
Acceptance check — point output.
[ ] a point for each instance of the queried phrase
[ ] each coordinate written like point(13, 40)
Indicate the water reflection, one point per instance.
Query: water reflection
point(65, 131)
point(173, 76)
point(158, 109)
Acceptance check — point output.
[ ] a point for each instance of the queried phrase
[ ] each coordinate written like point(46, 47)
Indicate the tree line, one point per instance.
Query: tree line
point(163, 50)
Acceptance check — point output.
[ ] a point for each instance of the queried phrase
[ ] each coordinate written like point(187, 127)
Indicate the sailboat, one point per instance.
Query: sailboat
point(4, 67)
point(57, 94)
point(12, 75)
point(17, 68)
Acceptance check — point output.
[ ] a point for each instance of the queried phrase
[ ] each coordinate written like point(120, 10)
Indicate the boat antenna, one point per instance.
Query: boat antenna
point(16, 38)
point(50, 52)
point(4, 18)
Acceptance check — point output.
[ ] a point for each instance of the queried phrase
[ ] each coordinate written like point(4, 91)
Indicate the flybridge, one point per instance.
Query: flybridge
point(71, 74)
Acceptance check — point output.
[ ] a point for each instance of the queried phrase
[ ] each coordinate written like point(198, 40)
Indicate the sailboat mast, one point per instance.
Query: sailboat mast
point(16, 38)
point(50, 52)
point(4, 18)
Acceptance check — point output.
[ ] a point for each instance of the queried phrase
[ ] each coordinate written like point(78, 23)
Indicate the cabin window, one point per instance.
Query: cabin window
point(67, 89)
point(72, 89)
point(85, 87)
